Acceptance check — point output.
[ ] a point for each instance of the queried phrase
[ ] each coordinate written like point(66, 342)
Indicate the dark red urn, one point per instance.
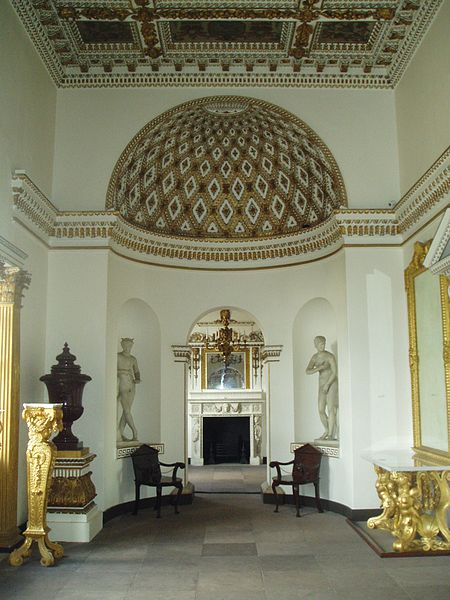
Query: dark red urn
point(65, 385)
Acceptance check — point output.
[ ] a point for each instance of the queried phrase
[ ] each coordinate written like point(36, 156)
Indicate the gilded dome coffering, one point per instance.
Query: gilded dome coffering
point(226, 168)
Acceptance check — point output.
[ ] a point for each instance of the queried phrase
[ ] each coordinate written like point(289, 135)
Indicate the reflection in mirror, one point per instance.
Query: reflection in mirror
point(433, 405)
point(429, 354)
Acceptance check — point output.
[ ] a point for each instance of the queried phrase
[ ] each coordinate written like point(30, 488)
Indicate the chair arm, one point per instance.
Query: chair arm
point(275, 464)
point(176, 465)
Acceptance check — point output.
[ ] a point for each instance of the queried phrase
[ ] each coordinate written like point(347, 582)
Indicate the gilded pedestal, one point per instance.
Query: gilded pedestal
point(42, 420)
point(415, 505)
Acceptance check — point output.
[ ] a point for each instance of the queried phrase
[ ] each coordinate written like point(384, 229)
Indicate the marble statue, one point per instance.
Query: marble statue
point(127, 377)
point(196, 435)
point(257, 431)
point(324, 363)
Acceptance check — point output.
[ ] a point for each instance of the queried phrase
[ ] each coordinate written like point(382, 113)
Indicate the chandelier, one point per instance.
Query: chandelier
point(226, 340)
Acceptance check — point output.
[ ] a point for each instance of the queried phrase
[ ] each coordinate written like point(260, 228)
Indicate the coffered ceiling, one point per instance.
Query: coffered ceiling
point(297, 43)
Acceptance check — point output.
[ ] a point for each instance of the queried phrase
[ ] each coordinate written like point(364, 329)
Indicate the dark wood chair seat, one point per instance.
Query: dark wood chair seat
point(147, 471)
point(305, 469)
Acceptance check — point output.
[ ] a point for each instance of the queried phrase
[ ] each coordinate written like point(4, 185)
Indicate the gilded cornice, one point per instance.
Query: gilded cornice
point(105, 229)
point(427, 197)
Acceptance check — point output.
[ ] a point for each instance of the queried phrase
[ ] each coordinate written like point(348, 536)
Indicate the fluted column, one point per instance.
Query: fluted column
point(13, 281)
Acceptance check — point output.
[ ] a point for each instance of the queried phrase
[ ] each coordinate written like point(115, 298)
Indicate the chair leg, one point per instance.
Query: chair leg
point(274, 489)
point(177, 498)
point(136, 502)
point(158, 501)
point(296, 498)
point(318, 504)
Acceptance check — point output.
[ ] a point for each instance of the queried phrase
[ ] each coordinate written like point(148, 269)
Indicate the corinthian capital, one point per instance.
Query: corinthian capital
point(13, 282)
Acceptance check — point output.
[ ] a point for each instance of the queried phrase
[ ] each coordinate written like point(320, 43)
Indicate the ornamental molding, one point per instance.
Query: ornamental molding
point(307, 43)
point(438, 257)
point(332, 451)
point(10, 254)
point(181, 354)
point(365, 227)
point(271, 353)
point(125, 452)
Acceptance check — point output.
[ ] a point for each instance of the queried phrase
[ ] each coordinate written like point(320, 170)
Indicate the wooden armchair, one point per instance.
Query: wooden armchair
point(147, 471)
point(305, 469)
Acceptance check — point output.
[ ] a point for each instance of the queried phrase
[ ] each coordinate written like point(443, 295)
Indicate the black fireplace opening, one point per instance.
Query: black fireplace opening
point(226, 440)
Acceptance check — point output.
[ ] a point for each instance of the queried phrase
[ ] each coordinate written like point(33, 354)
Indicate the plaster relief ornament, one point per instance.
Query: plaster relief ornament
point(127, 377)
point(324, 363)
point(257, 430)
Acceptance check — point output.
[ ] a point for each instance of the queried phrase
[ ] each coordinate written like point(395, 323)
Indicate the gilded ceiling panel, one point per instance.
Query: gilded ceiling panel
point(357, 43)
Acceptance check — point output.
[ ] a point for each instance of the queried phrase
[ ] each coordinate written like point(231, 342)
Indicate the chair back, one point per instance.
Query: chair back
point(146, 465)
point(306, 465)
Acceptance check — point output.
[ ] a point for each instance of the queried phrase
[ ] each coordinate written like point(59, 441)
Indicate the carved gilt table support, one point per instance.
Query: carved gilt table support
point(42, 420)
point(415, 504)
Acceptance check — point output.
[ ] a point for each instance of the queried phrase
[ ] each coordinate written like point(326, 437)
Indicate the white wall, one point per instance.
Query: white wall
point(378, 369)
point(95, 125)
point(77, 309)
point(422, 103)
point(362, 286)
point(27, 114)
point(27, 119)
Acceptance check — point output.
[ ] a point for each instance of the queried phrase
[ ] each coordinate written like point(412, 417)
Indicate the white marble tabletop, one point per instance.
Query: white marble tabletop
point(401, 460)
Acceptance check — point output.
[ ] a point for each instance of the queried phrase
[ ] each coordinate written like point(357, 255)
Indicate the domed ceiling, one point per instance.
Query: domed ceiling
point(226, 167)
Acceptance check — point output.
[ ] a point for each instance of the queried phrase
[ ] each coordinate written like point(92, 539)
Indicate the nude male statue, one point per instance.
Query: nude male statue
point(324, 363)
point(127, 377)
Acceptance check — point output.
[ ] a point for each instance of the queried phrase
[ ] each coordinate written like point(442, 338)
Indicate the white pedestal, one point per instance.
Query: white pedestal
point(75, 527)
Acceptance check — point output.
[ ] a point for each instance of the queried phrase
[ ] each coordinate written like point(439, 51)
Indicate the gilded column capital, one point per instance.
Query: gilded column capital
point(13, 282)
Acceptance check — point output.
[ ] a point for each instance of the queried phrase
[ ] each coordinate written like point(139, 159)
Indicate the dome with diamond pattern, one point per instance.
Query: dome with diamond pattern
point(226, 167)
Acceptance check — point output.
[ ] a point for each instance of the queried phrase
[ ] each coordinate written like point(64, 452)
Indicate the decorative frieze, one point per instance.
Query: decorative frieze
point(127, 451)
point(326, 448)
point(346, 226)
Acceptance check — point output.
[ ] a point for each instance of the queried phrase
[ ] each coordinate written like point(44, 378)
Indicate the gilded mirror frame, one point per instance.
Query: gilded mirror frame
point(414, 269)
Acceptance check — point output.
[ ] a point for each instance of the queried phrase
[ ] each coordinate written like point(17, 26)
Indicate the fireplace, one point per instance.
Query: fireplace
point(226, 440)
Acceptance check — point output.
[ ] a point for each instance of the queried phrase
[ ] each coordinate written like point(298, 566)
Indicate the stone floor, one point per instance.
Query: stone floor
point(235, 479)
point(227, 547)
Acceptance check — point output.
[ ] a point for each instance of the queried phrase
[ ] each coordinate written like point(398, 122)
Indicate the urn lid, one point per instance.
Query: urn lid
point(66, 365)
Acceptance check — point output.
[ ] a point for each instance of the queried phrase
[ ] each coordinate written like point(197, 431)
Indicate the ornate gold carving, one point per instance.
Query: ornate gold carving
point(71, 492)
point(415, 506)
point(42, 421)
point(406, 23)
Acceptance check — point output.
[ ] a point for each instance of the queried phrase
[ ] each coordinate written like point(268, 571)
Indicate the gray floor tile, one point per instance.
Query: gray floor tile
point(229, 550)
point(227, 547)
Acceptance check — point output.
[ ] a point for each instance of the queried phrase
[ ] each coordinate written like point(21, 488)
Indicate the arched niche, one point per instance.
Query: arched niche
point(222, 393)
point(315, 318)
point(138, 321)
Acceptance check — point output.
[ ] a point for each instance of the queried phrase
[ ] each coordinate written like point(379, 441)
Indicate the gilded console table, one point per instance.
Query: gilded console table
point(42, 421)
point(415, 498)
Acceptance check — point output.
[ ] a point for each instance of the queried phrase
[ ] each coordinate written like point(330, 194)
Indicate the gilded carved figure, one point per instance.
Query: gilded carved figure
point(324, 363)
point(127, 377)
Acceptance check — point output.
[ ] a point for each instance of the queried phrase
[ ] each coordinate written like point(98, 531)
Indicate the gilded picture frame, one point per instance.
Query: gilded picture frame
point(235, 376)
point(429, 357)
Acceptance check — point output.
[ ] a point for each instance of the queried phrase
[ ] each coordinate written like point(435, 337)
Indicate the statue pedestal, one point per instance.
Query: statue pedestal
point(72, 512)
point(79, 526)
